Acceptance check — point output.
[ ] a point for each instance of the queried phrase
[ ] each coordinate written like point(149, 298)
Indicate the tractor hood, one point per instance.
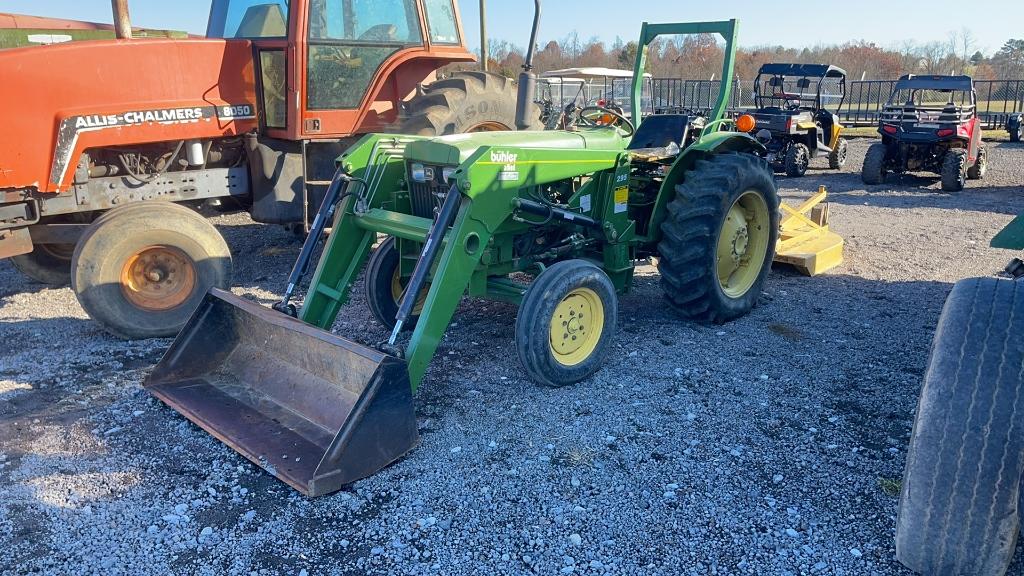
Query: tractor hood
point(455, 149)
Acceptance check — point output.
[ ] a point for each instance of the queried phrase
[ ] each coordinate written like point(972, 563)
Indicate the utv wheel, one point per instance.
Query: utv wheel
point(837, 157)
point(1015, 135)
point(384, 286)
point(980, 167)
point(958, 511)
point(718, 238)
point(798, 157)
point(874, 171)
point(142, 269)
point(954, 170)
point(566, 323)
point(464, 102)
point(48, 264)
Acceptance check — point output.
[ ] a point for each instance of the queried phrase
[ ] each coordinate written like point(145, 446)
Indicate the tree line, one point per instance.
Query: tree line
point(700, 57)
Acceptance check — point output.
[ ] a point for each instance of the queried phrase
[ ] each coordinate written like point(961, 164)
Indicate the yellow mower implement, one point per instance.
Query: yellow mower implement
point(805, 240)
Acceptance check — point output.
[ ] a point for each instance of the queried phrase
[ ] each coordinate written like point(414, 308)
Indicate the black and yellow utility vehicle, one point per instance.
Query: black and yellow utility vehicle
point(796, 115)
point(553, 222)
point(929, 124)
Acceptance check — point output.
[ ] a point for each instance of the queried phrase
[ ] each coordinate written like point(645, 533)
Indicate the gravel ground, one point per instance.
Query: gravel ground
point(771, 445)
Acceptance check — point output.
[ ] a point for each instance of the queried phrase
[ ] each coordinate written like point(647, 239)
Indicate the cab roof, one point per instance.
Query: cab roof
point(812, 70)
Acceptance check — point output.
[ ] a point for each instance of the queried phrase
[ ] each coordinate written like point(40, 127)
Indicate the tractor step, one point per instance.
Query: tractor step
point(313, 409)
point(805, 241)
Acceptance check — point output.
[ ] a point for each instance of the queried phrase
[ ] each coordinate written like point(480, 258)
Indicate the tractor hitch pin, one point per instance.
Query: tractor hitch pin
point(323, 216)
point(430, 250)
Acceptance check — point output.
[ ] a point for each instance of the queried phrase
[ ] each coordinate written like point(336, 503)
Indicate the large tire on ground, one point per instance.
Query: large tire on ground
point(954, 170)
point(566, 323)
point(837, 157)
point(48, 264)
point(978, 170)
point(464, 102)
point(383, 286)
point(958, 510)
point(718, 238)
point(140, 270)
point(874, 170)
point(798, 158)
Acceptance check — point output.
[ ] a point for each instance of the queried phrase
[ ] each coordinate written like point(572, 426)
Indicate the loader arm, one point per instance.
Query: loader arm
point(483, 209)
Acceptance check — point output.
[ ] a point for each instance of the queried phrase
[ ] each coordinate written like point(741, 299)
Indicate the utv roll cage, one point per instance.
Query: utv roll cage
point(787, 86)
point(943, 99)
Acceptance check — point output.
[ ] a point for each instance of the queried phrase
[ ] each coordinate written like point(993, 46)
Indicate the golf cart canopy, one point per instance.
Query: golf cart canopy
point(807, 70)
point(916, 82)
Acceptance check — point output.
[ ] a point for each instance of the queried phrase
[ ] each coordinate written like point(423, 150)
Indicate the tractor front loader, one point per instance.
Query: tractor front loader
point(475, 215)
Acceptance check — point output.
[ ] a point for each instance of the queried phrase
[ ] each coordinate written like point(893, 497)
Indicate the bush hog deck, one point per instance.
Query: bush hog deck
point(930, 124)
point(574, 210)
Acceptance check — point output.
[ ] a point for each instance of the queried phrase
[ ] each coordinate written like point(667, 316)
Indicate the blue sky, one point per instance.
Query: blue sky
point(886, 23)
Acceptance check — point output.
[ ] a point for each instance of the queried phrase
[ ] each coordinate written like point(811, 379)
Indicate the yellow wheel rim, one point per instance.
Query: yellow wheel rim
point(743, 244)
point(576, 327)
point(398, 287)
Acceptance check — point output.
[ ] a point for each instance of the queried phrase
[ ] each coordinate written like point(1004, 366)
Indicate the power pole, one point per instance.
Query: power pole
point(483, 35)
point(122, 22)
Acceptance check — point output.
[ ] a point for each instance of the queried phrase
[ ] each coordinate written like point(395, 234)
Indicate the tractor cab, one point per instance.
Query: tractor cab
point(797, 106)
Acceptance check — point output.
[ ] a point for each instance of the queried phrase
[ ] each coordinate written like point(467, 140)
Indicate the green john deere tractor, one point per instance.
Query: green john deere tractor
point(477, 214)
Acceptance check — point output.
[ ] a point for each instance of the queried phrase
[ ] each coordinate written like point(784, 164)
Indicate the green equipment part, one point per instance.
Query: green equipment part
point(554, 222)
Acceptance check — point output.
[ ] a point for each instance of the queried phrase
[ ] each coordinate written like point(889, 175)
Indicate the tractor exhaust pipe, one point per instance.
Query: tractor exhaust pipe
point(122, 21)
point(527, 79)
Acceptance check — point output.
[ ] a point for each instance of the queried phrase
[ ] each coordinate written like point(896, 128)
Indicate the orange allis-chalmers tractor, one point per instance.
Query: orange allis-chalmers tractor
point(249, 118)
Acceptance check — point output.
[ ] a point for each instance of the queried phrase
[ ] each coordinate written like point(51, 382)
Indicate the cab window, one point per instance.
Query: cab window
point(248, 19)
point(441, 21)
point(348, 41)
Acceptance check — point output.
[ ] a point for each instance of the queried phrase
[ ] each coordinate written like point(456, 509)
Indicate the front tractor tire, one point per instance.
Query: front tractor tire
point(954, 170)
point(464, 102)
point(798, 158)
point(874, 170)
point(566, 323)
point(719, 236)
point(141, 269)
point(837, 157)
point(384, 286)
point(48, 264)
point(959, 509)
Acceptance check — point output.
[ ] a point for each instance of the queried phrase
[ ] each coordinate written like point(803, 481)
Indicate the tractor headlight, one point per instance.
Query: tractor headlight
point(448, 172)
point(419, 173)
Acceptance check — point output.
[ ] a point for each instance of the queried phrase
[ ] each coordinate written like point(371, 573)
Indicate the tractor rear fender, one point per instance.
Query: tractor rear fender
point(708, 145)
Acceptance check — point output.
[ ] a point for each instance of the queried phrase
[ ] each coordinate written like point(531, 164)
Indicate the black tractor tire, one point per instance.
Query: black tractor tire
point(694, 225)
point(554, 291)
point(874, 170)
point(959, 507)
point(954, 170)
point(48, 264)
point(378, 286)
point(978, 170)
point(142, 269)
point(798, 158)
point(1015, 135)
point(837, 157)
point(464, 102)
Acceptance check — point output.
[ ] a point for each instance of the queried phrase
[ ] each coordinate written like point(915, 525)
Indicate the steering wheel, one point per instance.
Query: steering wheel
point(600, 116)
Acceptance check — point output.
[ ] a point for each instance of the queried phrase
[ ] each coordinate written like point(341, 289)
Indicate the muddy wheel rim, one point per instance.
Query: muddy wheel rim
point(576, 327)
point(398, 288)
point(158, 278)
point(743, 244)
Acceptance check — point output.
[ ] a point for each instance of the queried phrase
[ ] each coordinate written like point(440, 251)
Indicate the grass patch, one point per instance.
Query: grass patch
point(890, 486)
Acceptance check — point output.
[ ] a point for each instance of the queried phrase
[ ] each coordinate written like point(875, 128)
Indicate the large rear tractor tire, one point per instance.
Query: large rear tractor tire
point(798, 158)
point(384, 286)
point(464, 102)
point(566, 323)
point(978, 170)
point(141, 270)
point(959, 503)
point(837, 157)
point(954, 170)
point(718, 238)
point(48, 264)
point(874, 171)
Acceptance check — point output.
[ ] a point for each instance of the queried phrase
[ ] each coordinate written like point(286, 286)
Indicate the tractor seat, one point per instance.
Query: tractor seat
point(660, 131)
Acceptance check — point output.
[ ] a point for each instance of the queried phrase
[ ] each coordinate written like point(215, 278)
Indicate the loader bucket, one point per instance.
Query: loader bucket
point(313, 409)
